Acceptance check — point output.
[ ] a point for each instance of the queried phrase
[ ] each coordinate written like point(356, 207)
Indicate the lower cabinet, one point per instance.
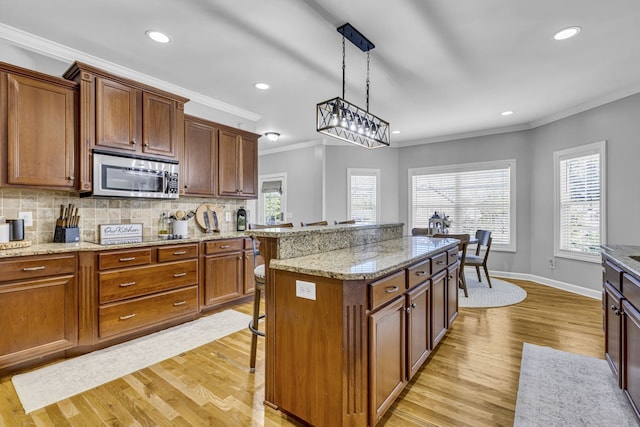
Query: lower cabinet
point(453, 272)
point(228, 271)
point(418, 327)
point(631, 357)
point(439, 301)
point(613, 329)
point(38, 308)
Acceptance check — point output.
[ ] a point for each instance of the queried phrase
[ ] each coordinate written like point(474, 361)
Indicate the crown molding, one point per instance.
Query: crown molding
point(64, 53)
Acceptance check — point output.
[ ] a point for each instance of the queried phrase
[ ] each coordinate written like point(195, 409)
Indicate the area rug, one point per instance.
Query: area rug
point(481, 295)
point(565, 389)
point(50, 384)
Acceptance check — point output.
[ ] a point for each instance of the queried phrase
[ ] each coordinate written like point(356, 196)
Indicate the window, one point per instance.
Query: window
point(579, 202)
point(473, 196)
point(272, 199)
point(363, 199)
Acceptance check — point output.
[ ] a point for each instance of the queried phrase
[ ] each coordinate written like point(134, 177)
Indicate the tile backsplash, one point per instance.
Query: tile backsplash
point(45, 208)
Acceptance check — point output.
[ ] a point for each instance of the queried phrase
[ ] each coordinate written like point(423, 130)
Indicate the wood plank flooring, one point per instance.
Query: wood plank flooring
point(471, 380)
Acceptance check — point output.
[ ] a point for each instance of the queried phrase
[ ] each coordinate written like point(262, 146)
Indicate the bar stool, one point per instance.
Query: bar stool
point(259, 275)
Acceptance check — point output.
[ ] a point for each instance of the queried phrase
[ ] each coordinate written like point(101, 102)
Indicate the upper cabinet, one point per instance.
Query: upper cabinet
point(237, 164)
point(124, 116)
point(199, 162)
point(38, 115)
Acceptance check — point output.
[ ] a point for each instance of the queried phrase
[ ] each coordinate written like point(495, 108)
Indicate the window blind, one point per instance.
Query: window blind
point(580, 195)
point(364, 198)
point(472, 199)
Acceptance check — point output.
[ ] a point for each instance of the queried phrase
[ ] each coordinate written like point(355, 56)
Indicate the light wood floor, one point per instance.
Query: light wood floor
point(471, 380)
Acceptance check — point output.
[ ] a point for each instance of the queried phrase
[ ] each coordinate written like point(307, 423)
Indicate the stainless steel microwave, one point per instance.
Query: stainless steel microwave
point(134, 176)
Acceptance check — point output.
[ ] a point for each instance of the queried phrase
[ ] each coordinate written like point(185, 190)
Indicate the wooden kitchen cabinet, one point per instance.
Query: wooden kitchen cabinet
point(613, 329)
point(418, 327)
point(38, 308)
point(439, 300)
point(631, 356)
point(38, 117)
point(199, 163)
point(237, 164)
point(453, 272)
point(124, 116)
point(223, 263)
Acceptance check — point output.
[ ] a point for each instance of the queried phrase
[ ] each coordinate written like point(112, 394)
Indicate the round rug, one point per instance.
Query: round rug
point(481, 295)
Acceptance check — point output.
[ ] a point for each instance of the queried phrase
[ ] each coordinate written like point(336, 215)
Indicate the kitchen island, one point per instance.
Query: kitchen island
point(348, 327)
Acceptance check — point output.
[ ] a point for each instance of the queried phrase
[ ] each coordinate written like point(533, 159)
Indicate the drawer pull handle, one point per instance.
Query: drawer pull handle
point(131, 258)
point(439, 262)
point(391, 289)
point(421, 273)
point(179, 274)
point(177, 304)
point(40, 267)
point(127, 317)
point(125, 285)
point(225, 246)
point(180, 252)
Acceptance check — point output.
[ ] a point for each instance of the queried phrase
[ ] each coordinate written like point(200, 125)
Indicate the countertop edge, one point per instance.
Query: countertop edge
point(620, 254)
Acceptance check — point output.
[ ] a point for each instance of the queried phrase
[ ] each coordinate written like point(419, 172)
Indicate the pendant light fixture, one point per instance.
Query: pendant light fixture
point(341, 119)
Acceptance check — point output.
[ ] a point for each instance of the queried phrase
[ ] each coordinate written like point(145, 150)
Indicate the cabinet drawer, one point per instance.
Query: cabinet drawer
point(452, 256)
point(220, 246)
point(129, 315)
point(613, 274)
point(248, 245)
point(178, 252)
point(127, 283)
point(124, 258)
point(631, 289)
point(384, 290)
point(41, 266)
point(418, 273)
point(439, 263)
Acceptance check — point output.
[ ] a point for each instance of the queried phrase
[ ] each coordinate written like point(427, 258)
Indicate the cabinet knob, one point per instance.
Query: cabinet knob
point(133, 142)
point(413, 305)
point(146, 144)
point(71, 178)
point(407, 310)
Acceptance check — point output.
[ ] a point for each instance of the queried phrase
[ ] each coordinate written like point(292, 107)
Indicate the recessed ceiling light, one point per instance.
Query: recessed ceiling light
point(158, 36)
point(506, 113)
point(395, 132)
point(567, 33)
point(261, 86)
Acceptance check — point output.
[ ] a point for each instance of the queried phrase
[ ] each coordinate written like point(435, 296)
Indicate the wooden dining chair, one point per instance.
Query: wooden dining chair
point(421, 232)
point(462, 256)
point(306, 224)
point(349, 221)
point(476, 260)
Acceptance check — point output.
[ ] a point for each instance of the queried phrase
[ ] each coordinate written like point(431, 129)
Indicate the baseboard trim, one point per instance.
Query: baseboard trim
point(549, 282)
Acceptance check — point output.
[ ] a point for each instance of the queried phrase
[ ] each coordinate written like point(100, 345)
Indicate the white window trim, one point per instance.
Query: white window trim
point(582, 150)
point(272, 177)
point(465, 167)
point(366, 172)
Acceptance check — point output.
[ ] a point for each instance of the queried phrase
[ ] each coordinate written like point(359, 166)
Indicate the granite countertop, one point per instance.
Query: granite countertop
point(621, 255)
point(316, 229)
point(366, 262)
point(55, 248)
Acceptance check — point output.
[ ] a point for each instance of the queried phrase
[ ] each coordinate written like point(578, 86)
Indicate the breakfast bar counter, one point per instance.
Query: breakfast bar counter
point(348, 325)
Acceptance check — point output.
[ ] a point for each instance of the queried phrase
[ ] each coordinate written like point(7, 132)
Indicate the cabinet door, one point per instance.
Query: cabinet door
point(631, 359)
point(452, 293)
point(438, 307)
point(228, 183)
point(159, 125)
point(38, 318)
point(249, 167)
point(613, 329)
point(117, 118)
point(223, 278)
point(418, 328)
point(40, 133)
point(199, 162)
point(387, 373)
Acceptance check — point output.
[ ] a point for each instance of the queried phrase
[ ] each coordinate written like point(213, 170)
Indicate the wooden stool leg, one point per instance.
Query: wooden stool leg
point(255, 322)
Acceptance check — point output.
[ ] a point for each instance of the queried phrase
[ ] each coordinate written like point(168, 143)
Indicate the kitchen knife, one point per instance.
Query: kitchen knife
point(207, 223)
point(215, 222)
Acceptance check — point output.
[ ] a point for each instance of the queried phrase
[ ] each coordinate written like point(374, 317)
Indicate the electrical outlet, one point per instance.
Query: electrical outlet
point(552, 263)
point(227, 216)
point(27, 217)
point(306, 290)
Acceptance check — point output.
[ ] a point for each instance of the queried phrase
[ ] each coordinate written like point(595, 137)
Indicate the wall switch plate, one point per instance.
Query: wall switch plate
point(27, 217)
point(227, 216)
point(306, 290)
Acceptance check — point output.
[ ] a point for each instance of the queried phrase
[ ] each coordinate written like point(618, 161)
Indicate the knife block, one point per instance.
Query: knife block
point(66, 234)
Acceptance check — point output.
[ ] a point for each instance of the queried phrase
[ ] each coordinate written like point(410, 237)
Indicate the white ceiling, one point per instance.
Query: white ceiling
point(440, 68)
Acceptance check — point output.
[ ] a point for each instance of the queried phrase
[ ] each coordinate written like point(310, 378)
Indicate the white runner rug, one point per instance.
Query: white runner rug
point(500, 293)
point(565, 389)
point(50, 384)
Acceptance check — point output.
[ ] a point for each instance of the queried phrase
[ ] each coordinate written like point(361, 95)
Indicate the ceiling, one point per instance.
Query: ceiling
point(441, 69)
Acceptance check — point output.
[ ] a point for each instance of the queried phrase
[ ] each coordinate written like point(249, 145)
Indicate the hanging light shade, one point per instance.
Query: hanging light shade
point(341, 119)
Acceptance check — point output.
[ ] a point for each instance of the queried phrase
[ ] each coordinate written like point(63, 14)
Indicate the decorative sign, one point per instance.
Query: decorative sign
point(117, 234)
